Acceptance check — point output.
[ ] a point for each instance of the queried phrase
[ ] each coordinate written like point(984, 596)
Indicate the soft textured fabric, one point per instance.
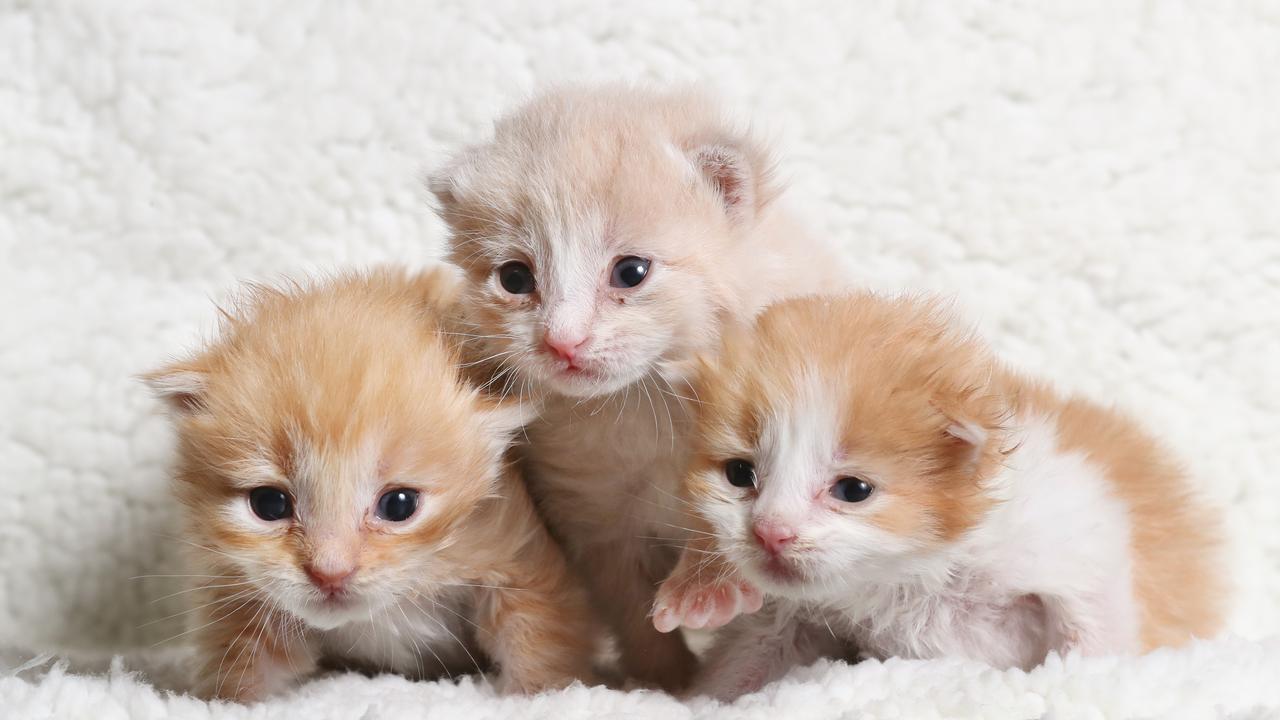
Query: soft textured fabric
point(1095, 182)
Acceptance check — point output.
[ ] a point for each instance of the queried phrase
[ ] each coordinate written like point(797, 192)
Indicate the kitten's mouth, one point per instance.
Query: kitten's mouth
point(781, 571)
point(588, 377)
point(570, 370)
point(578, 378)
point(331, 610)
point(335, 601)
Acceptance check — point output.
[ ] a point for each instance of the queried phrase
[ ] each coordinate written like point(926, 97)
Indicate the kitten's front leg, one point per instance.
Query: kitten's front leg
point(755, 650)
point(1091, 625)
point(704, 591)
point(249, 653)
point(536, 623)
point(622, 579)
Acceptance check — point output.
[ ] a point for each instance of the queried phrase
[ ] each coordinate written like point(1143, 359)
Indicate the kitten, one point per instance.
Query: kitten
point(347, 498)
point(606, 234)
point(891, 487)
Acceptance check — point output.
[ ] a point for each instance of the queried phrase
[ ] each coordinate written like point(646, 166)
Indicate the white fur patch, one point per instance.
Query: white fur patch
point(1054, 550)
point(798, 446)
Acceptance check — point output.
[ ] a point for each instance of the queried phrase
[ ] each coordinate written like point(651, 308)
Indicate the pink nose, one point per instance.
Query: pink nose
point(774, 537)
point(565, 347)
point(330, 580)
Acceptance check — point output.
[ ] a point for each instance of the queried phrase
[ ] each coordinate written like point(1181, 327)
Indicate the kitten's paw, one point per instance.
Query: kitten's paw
point(685, 602)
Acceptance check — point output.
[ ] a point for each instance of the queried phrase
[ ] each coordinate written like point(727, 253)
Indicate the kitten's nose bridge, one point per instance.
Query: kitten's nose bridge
point(570, 314)
point(333, 559)
point(567, 332)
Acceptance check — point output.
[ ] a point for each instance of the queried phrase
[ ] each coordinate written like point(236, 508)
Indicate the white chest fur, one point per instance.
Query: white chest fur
point(429, 636)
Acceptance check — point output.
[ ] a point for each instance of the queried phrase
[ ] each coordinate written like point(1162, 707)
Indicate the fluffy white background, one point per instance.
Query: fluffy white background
point(1097, 182)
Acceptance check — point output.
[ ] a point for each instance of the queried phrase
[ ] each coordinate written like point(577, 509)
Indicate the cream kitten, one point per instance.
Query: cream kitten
point(892, 487)
point(605, 235)
point(347, 497)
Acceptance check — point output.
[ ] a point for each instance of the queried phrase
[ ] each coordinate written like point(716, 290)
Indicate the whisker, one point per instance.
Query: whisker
point(221, 601)
point(213, 577)
point(253, 647)
point(460, 616)
point(201, 587)
point(417, 652)
point(211, 622)
point(206, 547)
point(442, 626)
point(488, 587)
point(222, 661)
point(696, 532)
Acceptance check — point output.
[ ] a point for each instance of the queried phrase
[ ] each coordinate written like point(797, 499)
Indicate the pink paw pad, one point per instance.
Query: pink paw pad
point(704, 606)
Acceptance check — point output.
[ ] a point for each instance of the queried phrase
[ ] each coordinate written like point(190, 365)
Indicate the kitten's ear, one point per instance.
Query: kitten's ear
point(969, 433)
point(182, 387)
point(448, 182)
point(740, 174)
point(973, 426)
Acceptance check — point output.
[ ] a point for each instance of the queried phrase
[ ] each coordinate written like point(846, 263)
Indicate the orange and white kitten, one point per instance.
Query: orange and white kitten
point(606, 234)
point(891, 487)
point(347, 497)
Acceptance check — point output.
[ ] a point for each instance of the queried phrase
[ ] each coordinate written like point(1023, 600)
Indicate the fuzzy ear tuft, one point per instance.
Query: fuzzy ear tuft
point(970, 440)
point(740, 173)
point(448, 182)
point(440, 184)
point(731, 176)
point(181, 388)
point(969, 433)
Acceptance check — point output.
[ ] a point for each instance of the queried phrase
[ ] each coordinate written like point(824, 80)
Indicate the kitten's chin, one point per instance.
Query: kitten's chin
point(330, 614)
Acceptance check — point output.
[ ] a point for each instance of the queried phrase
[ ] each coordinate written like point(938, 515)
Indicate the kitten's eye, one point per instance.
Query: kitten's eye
point(851, 490)
point(629, 272)
point(270, 503)
point(398, 505)
point(740, 473)
point(516, 278)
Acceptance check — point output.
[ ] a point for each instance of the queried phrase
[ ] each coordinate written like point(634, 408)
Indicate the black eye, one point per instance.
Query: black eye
point(397, 505)
point(270, 503)
point(851, 489)
point(629, 272)
point(740, 473)
point(516, 278)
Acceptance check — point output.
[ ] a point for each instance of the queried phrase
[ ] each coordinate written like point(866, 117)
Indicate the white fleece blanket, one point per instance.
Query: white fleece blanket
point(1096, 181)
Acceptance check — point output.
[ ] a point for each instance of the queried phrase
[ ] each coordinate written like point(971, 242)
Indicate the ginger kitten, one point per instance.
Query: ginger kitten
point(891, 487)
point(606, 234)
point(346, 495)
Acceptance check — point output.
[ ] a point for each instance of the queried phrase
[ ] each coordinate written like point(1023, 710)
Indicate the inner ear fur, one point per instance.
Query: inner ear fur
point(182, 387)
point(974, 421)
point(741, 174)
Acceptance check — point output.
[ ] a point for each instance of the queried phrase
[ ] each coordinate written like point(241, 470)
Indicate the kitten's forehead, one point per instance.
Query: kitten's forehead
point(804, 417)
point(800, 436)
point(315, 464)
point(343, 379)
point(584, 186)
